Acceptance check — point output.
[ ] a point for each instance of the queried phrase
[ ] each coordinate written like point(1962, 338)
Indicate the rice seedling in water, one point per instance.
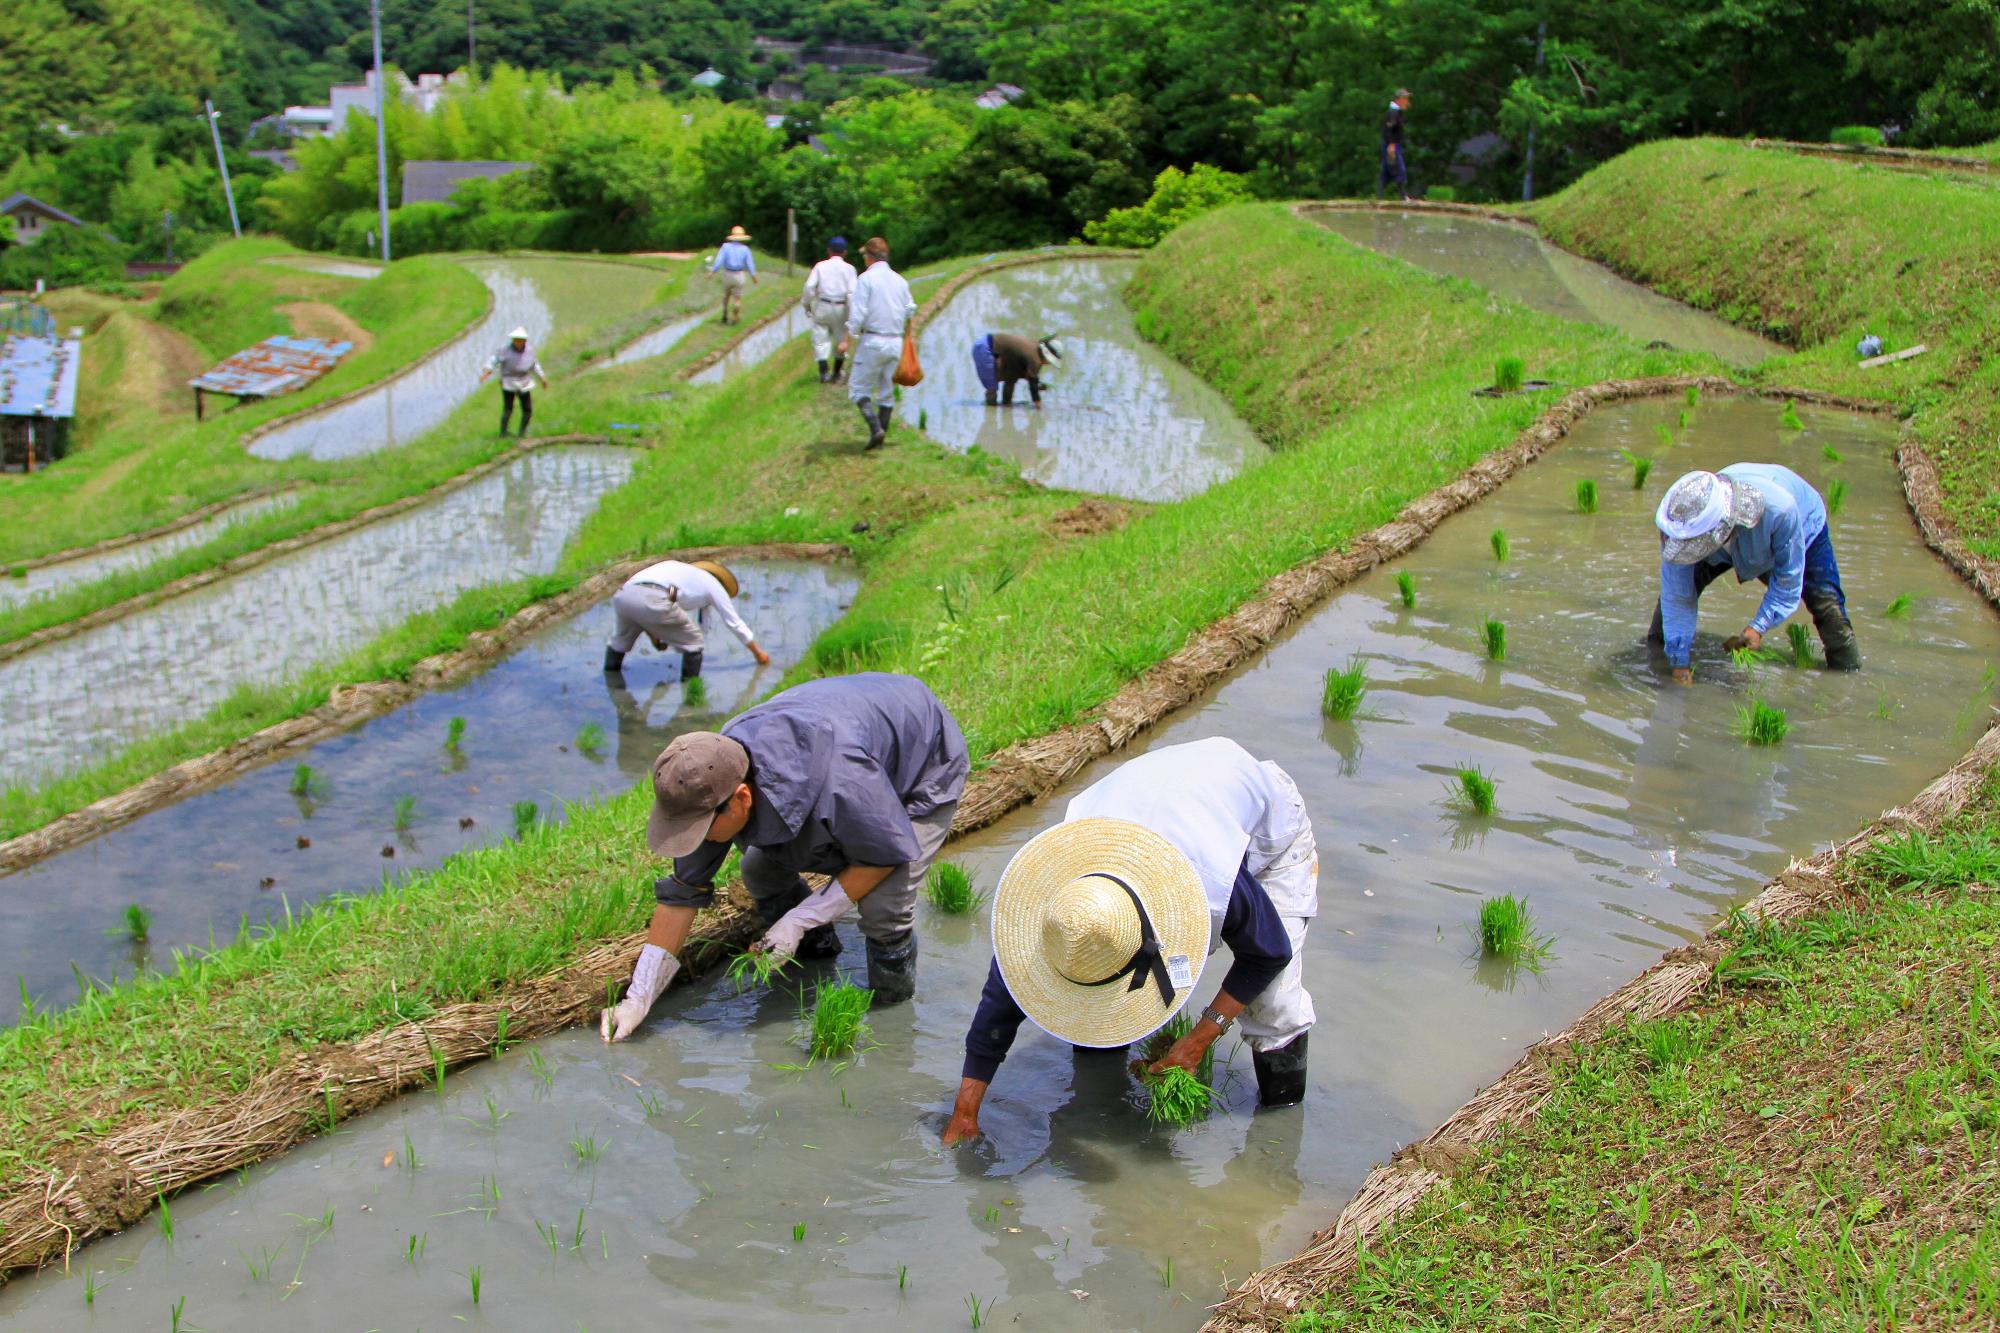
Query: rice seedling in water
point(1406, 588)
point(694, 693)
point(1341, 694)
point(992, 1212)
point(179, 1305)
point(540, 1066)
point(760, 968)
point(923, 418)
point(649, 1102)
point(1694, 395)
point(1790, 419)
point(1641, 466)
point(1687, 418)
point(589, 739)
point(798, 1231)
point(1175, 1097)
point(1900, 606)
point(1507, 931)
point(1508, 373)
point(1666, 437)
point(1801, 643)
point(1167, 1275)
point(586, 1148)
point(419, 1242)
point(949, 889)
point(839, 1018)
point(1499, 540)
point(1586, 496)
point(89, 1286)
point(166, 1218)
point(308, 781)
point(1473, 790)
point(1493, 634)
point(1836, 495)
point(524, 817)
point(410, 1162)
point(406, 813)
point(977, 1307)
point(550, 1237)
point(454, 732)
point(902, 1277)
point(472, 1276)
point(138, 925)
point(1829, 453)
point(1760, 724)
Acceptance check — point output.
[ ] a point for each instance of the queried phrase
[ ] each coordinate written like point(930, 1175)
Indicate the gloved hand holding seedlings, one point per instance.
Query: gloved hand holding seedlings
point(832, 902)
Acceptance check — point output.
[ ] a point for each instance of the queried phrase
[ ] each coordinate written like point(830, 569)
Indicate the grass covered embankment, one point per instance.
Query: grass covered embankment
point(961, 562)
point(1812, 1143)
point(1818, 253)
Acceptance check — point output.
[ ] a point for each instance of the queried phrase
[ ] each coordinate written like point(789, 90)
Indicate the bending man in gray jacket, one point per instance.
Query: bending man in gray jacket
point(853, 777)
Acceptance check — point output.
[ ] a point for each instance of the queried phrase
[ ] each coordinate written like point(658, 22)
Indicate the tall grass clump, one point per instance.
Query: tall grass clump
point(852, 645)
point(1760, 724)
point(1586, 496)
point(1406, 588)
point(1472, 790)
point(838, 1020)
point(1801, 644)
point(1899, 606)
point(694, 692)
point(524, 817)
point(1790, 418)
point(1499, 544)
point(1508, 373)
point(1641, 466)
point(1342, 692)
point(1836, 495)
point(949, 889)
point(1493, 634)
point(1507, 931)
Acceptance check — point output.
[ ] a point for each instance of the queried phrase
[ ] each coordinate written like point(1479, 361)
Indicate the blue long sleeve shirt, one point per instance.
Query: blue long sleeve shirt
point(734, 257)
point(1773, 550)
point(1259, 950)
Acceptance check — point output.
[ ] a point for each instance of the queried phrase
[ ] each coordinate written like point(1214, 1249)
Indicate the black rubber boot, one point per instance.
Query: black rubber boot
point(527, 414)
point(614, 661)
point(892, 969)
point(992, 398)
point(875, 431)
point(1836, 631)
point(1281, 1074)
point(506, 416)
point(836, 368)
point(822, 372)
point(819, 942)
point(882, 415)
point(690, 665)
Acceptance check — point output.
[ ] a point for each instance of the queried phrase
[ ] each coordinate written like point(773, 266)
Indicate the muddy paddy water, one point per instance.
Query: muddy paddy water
point(103, 689)
point(203, 864)
point(1510, 259)
point(1118, 417)
point(1629, 815)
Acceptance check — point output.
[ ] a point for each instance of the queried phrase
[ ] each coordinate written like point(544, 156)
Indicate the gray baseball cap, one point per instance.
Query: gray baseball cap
point(693, 775)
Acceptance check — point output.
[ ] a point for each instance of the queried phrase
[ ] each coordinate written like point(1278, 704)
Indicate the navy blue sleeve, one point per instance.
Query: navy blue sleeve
point(993, 1028)
point(1255, 934)
point(693, 882)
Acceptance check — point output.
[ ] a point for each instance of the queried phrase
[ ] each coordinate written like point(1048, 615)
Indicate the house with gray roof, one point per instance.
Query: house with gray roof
point(435, 182)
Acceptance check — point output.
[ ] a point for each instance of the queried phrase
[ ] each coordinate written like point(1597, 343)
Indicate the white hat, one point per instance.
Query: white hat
point(1100, 928)
point(519, 332)
point(1698, 513)
point(1051, 353)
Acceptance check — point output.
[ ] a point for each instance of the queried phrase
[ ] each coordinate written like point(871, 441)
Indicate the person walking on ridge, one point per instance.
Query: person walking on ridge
point(736, 266)
point(519, 369)
point(1766, 522)
point(828, 289)
point(877, 315)
point(1102, 925)
point(1395, 159)
point(665, 602)
point(853, 777)
point(1003, 359)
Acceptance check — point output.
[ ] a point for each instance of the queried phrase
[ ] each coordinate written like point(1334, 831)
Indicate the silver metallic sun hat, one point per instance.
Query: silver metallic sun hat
point(1698, 513)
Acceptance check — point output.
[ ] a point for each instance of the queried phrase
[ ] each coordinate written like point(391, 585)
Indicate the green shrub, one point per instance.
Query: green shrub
point(1442, 194)
point(64, 257)
point(1177, 197)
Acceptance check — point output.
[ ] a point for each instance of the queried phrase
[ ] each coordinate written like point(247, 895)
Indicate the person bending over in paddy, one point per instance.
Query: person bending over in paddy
point(877, 314)
point(1766, 522)
point(1102, 924)
point(1004, 359)
point(665, 602)
point(853, 777)
point(519, 369)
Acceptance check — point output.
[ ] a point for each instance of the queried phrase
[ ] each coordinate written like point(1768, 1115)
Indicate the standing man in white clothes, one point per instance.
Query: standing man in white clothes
point(877, 314)
point(829, 287)
point(665, 601)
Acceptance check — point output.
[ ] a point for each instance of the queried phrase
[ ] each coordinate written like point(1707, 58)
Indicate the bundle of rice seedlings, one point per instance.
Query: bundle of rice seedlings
point(1472, 790)
point(759, 968)
point(1899, 607)
point(1499, 541)
point(1176, 1097)
point(1836, 495)
point(1641, 465)
point(1760, 724)
point(694, 692)
point(1344, 687)
point(1507, 931)
point(950, 890)
point(838, 1019)
point(1493, 634)
point(589, 739)
point(1406, 588)
point(1790, 419)
point(1586, 496)
point(524, 817)
point(1801, 643)
point(1694, 395)
point(1508, 373)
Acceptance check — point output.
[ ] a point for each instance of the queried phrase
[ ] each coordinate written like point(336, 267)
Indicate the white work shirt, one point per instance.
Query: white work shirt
point(831, 279)
point(694, 589)
point(517, 369)
point(881, 306)
point(1218, 805)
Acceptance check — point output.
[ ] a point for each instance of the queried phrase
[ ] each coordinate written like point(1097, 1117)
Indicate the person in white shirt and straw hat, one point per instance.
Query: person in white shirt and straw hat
point(519, 369)
point(736, 266)
point(665, 603)
point(1102, 925)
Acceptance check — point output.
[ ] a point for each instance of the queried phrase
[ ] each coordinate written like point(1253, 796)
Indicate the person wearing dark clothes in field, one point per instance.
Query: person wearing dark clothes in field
point(1002, 359)
point(1395, 163)
point(518, 372)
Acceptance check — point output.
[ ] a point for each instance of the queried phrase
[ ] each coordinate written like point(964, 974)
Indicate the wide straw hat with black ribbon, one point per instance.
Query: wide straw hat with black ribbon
point(1698, 513)
point(1100, 927)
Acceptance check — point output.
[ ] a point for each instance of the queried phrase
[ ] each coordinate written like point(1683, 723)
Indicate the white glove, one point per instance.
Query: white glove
point(820, 909)
point(650, 979)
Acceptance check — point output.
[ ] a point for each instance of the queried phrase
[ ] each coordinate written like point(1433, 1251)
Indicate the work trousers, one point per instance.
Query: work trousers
point(871, 376)
point(888, 912)
point(829, 326)
point(645, 608)
point(1395, 171)
point(507, 397)
point(1290, 874)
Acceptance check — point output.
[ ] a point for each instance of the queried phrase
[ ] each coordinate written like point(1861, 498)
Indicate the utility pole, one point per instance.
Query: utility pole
point(215, 130)
point(1528, 177)
point(381, 131)
point(471, 47)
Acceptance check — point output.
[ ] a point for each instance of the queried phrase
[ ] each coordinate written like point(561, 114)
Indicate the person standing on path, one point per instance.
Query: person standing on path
point(519, 369)
point(1102, 924)
point(665, 602)
point(1002, 359)
point(829, 287)
point(737, 267)
point(1395, 160)
point(853, 777)
point(877, 315)
point(1766, 522)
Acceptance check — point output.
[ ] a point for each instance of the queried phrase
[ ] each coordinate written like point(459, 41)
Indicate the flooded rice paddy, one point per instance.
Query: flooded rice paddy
point(1510, 259)
point(694, 1170)
point(327, 264)
point(755, 348)
point(1118, 417)
point(44, 580)
point(147, 672)
point(656, 342)
point(204, 863)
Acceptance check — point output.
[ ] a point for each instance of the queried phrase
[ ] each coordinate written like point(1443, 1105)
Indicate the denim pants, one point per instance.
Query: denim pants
point(1395, 169)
